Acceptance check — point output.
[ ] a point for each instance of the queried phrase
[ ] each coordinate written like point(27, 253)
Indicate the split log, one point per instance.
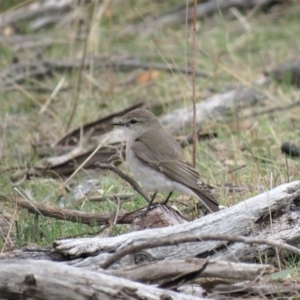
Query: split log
point(273, 215)
point(44, 280)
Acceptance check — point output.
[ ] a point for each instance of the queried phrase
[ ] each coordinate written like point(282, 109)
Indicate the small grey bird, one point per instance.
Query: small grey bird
point(157, 161)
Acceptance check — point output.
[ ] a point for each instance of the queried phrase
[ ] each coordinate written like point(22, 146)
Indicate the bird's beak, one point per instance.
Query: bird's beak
point(120, 123)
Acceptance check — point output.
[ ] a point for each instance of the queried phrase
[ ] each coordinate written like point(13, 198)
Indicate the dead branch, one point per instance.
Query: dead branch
point(75, 216)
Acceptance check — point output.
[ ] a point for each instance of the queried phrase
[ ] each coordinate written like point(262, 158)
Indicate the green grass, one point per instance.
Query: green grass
point(232, 54)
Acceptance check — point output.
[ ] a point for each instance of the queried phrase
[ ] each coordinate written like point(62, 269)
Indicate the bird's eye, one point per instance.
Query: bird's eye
point(133, 121)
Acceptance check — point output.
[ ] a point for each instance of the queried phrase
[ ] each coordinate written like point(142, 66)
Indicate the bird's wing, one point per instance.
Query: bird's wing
point(170, 165)
point(157, 146)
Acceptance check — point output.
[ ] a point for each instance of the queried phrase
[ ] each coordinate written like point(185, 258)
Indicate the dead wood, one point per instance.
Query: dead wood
point(164, 270)
point(192, 238)
point(158, 216)
point(75, 216)
point(45, 280)
point(33, 252)
point(268, 216)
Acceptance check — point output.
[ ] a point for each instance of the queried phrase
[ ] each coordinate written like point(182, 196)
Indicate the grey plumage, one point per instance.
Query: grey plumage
point(152, 151)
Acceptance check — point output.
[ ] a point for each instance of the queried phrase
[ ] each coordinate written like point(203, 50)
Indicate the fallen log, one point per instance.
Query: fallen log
point(166, 269)
point(273, 216)
point(45, 280)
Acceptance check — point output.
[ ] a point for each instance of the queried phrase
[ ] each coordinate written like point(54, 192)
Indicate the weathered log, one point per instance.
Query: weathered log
point(44, 280)
point(272, 215)
point(166, 269)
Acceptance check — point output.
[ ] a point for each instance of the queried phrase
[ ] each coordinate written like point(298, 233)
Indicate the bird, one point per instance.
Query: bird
point(157, 161)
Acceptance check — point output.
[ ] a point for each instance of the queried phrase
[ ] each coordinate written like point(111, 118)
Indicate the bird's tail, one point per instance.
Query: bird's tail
point(208, 200)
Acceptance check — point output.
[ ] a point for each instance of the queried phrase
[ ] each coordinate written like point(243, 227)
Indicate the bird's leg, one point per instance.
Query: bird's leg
point(152, 199)
point(167, 199)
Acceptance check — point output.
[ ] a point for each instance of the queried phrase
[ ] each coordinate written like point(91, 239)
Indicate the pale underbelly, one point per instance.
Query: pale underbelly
point(152, 180)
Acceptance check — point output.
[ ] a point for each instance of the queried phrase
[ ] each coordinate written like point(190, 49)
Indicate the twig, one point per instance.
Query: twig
point(125, 177)
point(193, 238)
point(194, 85)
